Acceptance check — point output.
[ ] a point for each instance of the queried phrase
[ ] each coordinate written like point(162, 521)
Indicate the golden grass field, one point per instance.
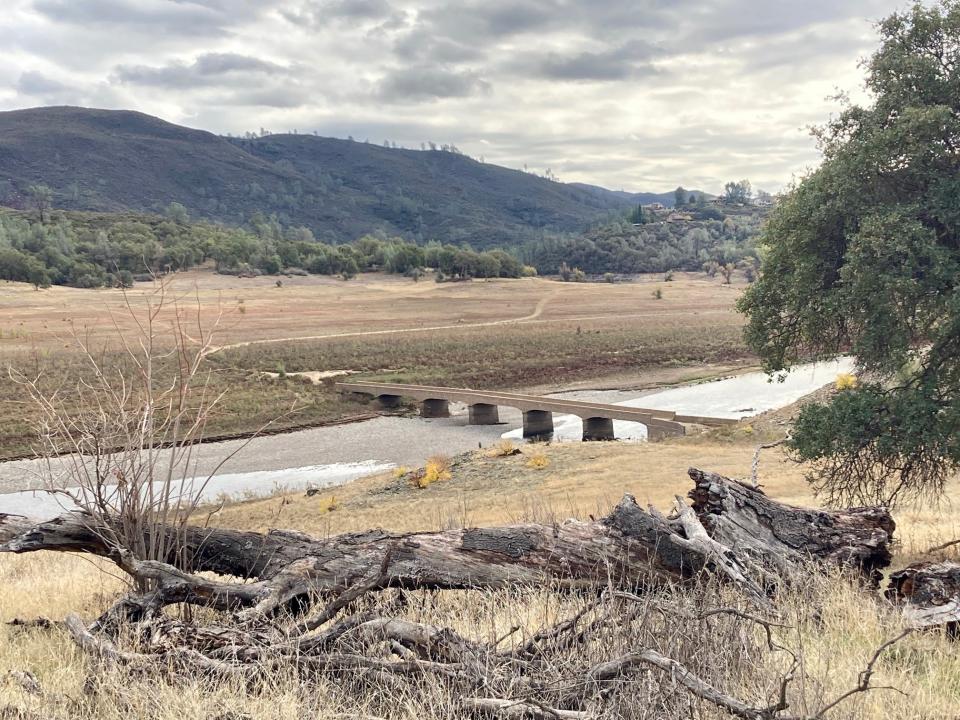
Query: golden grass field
point(319, 306)
point(604, 329)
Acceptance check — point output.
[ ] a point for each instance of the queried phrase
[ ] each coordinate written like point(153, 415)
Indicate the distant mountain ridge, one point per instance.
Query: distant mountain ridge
point(116, 160)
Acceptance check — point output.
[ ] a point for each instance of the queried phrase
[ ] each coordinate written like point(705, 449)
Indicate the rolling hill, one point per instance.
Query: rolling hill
point(108, 160)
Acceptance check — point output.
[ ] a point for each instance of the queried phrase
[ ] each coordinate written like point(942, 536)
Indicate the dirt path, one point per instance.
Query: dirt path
point(537, 312)
point(531, 319)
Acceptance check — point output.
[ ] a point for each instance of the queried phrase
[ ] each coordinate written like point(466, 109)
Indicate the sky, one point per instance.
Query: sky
point(640, 95)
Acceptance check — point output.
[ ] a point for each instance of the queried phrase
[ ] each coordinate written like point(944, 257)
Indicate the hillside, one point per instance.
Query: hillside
point(105, 160)
point(667, 199)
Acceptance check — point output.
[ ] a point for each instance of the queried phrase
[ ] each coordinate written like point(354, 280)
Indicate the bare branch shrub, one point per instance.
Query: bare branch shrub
point(122, 450)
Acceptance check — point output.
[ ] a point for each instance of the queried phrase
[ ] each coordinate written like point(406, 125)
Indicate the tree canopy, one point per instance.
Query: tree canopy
point(863, 256)
point(87, 250)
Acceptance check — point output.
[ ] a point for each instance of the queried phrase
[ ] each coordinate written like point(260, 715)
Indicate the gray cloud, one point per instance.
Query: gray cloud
point(37, 84)
point(318, 13)
point(640, 94)
point(208, 69)
point(187, 17)
point(420, 83)
point(628, 60)
point(421, 45)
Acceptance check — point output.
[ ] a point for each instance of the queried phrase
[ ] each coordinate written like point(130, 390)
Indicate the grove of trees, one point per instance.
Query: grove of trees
point(87, 251)
point(624, 247)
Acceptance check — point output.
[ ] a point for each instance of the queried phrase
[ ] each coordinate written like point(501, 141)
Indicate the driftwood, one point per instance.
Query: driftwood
point(733, 531)
point(743, 517)
point(616, 567)
point(930, 594)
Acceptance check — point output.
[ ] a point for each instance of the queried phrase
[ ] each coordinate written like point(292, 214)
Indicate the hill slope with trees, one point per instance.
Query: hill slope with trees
point(107, 160)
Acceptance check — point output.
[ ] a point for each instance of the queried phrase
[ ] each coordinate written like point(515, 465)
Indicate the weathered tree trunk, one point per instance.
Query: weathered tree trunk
point(930, 593)
point(743, 517)
point(743, 534)
point(627, 548)
point(732, 531)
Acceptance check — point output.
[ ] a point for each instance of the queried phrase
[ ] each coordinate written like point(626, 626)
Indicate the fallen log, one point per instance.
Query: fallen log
point(929, 593)
point(734, 531)
point(743, 517)
point(629, 547)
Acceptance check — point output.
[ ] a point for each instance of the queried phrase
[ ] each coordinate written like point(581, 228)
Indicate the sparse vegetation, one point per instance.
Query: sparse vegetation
point(503, 448)
point(537, 460)
point(827, 620)
point(517, 355)
point(437, 469)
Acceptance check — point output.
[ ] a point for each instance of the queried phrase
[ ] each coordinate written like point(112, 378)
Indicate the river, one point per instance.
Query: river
point(333, 455)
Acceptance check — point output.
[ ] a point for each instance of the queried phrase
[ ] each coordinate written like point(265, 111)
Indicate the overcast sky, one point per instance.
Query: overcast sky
point(631, 94)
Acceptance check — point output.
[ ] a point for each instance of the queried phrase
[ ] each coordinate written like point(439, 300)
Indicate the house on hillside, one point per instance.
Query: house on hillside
point(656, 206)
point(679, 217)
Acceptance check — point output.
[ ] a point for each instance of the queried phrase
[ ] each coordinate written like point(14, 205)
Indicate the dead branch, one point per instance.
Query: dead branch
point(521, 709)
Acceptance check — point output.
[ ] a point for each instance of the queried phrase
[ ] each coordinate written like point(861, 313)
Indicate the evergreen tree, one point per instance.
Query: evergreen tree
point(863, 256)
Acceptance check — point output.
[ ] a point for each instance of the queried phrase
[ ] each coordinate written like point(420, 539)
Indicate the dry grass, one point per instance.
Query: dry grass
point(316, 305)
point(503, 334)
point(537, 460)
point(832, 621)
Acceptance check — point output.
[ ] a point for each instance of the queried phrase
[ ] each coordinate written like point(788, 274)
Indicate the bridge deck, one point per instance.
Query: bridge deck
point(654, 418)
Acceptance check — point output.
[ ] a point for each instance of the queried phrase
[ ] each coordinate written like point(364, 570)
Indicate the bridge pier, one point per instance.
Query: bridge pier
point(598, 428)
point(538, 424)
point(483, 414)
point(435, 408)
point(386, 402)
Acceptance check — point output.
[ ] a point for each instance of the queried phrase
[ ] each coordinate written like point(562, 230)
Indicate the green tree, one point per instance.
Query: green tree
point(177, 213)
point(41, 198)
point(737, 193)
point(680, 197)
point(636, 215)
point(863, 256)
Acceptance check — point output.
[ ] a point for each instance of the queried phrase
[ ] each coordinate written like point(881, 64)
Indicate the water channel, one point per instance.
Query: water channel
point(334, 455)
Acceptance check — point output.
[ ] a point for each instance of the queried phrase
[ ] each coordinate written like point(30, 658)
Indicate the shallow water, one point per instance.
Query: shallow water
point(229, 486)
point(734, 398)
point(293, 460)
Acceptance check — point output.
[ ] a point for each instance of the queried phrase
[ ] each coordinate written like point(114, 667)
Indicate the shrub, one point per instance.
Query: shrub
point(538, 460)
point(503, 448)
point(846, 381)
point(437, 468)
